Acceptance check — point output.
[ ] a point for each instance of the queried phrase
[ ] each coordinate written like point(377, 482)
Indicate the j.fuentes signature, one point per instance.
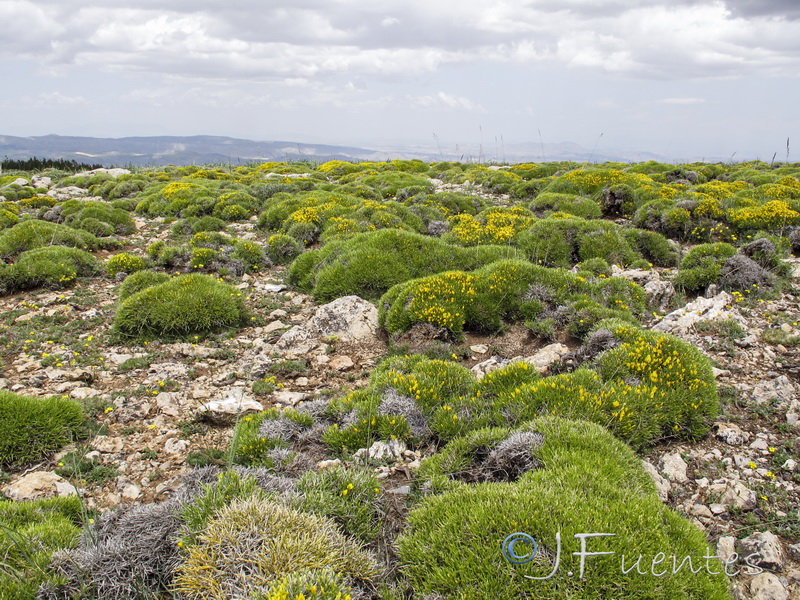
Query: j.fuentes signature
point(657, 566)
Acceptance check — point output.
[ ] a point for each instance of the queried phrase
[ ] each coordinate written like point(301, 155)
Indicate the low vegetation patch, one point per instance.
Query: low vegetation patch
point(188, 304)
point(33, 428)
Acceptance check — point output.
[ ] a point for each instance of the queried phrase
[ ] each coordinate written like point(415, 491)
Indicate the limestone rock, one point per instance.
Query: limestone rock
point(662, 485)
point(546, 356)
point(702, 309)
point(768, 548)
point(341, 363)
point(781, 389)
point(107, 444)
point(659, 294)
point(730, 433)
point(40, 484)
point(298, 340)
point(765, 586)
point(382, 451)
point(489, 365)
point(289, 398)
point(726, 547)
point(235, 404)
point(349, 318)
point(734, 494)
point(674, 467)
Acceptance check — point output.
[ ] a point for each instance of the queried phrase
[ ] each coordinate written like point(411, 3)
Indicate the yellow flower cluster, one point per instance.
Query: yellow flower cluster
point(175, 187)
point(499, 227)
point(770, 215)
point(441, 299)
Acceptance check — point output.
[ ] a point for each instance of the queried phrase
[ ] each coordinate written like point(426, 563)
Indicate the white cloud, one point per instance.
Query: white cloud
point(445, 100)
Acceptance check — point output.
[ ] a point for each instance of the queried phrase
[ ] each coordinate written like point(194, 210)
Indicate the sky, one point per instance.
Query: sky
point(684, 79)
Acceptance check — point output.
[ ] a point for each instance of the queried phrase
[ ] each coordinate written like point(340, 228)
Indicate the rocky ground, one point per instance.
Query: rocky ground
point(163, 407)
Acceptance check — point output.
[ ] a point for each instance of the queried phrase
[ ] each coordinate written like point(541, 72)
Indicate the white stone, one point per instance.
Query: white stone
point(107, 444)
point(730, 433)
point(768, 548)
point(349, 318)
point(289, 398)
point(235, 404)
point(175, 446)
point(131, 491)
point(674, 467)
point(382, 451)
point(479, 348)
point(40, 484)
point(781, 389)
point(546, 356)
point(701, 309)
point(766, 586)
point(274, 326)
point(341, 363)
point(662, 485)
point(726, 547)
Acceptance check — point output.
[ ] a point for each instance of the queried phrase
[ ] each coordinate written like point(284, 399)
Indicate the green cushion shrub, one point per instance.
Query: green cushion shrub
point(348, 496)
point(53, 267)
point(34, 233)
point(588, 482)
point(578, 206)
point(282, 248)
point(95, 216)
point(32, 428)
point(506, 290)
point(136, 282)
point(702, 266)
point(183, 305)
point(368, 264)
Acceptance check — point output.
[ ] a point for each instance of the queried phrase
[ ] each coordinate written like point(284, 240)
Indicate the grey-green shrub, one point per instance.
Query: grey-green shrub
point(32, 428)
point(183, 305)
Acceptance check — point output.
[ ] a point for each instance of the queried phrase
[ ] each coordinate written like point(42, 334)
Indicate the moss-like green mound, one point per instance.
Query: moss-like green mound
point(32, 428)
point(184, 305)
point(586, 482)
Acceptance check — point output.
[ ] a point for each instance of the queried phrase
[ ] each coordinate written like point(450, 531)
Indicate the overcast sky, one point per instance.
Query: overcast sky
point(684, 78)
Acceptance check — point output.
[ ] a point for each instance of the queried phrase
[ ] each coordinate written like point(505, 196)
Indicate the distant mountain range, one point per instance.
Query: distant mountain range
point(205, 149)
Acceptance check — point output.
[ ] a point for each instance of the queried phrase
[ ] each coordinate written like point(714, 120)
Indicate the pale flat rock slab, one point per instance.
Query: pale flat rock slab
point(766, 586)
point(701, 309)
point(41, 484)
point(107, 444)
point(230, 408)
point(298, 340)
point(289, 398)
point(768, 548)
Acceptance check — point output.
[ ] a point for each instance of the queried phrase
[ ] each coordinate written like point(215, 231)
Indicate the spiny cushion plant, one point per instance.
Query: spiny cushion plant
point(369, 264)
point(136, 282)
point(30, 532)
point(256, 436)
point(33, 233)
point(702, 266)
point(52, 267)
point(273, 541)
point(506, 290)
point(453, 544)
point(183, 305)
point(348, 496)
point(33, 428)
